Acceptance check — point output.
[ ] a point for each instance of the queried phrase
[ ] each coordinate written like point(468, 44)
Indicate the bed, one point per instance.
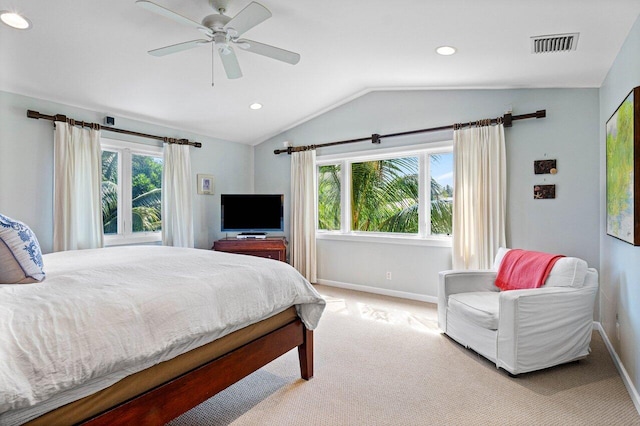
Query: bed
point(139, 335)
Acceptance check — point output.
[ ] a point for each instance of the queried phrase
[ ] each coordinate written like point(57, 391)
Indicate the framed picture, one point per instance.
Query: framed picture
point(542, 192)
point(544, 167)
point(205, 184)
point(623, 170)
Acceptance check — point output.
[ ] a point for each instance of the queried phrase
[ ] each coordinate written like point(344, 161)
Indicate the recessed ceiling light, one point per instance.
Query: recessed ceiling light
point(446, 50)
point(255, 105)
point(14, 20)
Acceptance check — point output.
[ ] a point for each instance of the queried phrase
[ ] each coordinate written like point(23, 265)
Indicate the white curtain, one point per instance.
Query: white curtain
point(303, 213)
point(77, 205)
point(177, 193)
point(479, 195)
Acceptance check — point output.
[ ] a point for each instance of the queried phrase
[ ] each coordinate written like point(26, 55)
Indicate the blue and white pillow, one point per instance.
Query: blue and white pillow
point(20, 254)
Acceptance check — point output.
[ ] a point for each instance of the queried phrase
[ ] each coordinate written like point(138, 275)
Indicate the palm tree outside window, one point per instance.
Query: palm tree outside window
point(384, 195)
point(131, 193)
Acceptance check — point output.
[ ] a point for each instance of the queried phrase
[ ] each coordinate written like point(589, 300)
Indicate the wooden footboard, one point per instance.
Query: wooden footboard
point(167, 401)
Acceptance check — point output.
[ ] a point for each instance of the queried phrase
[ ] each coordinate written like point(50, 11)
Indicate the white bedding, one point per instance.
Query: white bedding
point(103, 314)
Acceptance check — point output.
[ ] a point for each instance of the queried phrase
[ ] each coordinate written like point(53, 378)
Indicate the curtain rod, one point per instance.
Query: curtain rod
point(506, 119)
point(61, 117)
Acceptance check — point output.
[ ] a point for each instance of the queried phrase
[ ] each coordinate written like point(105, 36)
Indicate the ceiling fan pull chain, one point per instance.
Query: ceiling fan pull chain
point(213, 46)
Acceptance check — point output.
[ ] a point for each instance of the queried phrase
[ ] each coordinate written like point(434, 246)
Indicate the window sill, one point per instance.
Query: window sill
point(143, 238)
point(410, 240)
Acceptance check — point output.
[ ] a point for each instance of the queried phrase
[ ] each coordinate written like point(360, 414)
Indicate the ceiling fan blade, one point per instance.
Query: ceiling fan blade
point(248, 18)
point(172, 15)
point(230, 63)
point(269, 51)
point(177, 47)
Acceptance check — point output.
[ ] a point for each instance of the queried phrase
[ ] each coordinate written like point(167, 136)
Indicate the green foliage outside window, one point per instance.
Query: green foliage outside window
point(329, 197)
point(384, 197)
point(110, 192)
point(441, 196)
point(146, 184)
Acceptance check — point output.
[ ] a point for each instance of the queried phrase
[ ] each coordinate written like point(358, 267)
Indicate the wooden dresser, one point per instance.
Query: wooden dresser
point(272, 247)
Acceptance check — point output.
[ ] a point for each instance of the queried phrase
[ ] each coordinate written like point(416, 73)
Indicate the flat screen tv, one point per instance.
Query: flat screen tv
point(252, 213)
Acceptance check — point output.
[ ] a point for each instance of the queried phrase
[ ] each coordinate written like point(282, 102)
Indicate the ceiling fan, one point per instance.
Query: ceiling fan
point(224, 32)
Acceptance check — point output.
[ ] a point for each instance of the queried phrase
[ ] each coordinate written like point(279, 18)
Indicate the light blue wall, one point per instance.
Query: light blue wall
point(569, 224)
point(26, 165)
point(620, 262)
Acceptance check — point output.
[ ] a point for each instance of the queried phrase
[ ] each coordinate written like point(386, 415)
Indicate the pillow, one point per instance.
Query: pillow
point(567, 272)
point(499, 255)
point(20, 255)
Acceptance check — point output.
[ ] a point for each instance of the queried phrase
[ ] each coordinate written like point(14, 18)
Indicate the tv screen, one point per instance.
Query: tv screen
point(252, 212)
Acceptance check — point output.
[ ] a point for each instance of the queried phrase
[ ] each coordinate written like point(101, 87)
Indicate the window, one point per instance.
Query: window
point(131, 192)
point(384, 195)
point(380, 194)
point(329, 197)
point(441, 184)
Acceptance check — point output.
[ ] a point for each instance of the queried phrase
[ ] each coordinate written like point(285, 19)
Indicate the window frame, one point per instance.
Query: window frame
point(126, 150)
point(424, 236)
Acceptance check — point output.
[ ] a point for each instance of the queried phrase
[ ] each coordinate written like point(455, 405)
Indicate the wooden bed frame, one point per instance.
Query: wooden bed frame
point(178, 392)
point(163, 403)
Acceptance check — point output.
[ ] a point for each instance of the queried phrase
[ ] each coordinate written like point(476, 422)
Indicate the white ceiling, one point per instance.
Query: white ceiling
point(92, 54)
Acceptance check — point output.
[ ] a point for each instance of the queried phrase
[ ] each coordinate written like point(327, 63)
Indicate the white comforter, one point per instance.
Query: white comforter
point(103, 314)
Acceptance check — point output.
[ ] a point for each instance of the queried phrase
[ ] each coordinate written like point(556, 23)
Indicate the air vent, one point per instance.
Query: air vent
point(554, 43)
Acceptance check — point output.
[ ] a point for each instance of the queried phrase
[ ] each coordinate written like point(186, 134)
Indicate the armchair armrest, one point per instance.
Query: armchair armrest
point(452, 282)
point(545, 326)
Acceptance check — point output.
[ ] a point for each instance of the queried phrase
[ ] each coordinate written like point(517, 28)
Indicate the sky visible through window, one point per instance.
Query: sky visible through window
point(442, 170)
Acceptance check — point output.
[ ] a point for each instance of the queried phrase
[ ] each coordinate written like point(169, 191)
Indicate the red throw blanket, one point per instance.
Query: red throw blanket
point(524, 269)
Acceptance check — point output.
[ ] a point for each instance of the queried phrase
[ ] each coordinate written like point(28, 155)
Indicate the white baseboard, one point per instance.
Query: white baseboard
point(376, 290)
point(626, 379)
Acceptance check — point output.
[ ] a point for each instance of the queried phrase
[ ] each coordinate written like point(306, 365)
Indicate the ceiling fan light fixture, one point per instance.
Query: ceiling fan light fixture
point(446, 50)
point(14, 20)
point(255, 106)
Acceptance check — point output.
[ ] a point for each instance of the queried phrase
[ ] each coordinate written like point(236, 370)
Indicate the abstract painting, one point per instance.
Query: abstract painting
point(623, 175)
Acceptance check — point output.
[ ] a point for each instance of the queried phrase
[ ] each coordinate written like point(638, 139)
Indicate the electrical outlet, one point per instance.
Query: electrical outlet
point(618, 330)
point(389, 276)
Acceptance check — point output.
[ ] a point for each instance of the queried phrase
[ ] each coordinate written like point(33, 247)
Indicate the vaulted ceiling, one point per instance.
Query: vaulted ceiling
point(93, 54)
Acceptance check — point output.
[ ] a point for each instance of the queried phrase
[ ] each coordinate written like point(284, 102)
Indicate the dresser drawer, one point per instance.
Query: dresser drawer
point(270, 248)
point(268, 254)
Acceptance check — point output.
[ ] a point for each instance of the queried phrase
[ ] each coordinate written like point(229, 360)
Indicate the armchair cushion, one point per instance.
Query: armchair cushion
point(567, 272)
point(522, 269)
point(480, 307)
point(499, 255)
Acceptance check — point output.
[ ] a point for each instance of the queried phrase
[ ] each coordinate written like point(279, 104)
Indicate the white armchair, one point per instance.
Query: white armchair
point(521, 330)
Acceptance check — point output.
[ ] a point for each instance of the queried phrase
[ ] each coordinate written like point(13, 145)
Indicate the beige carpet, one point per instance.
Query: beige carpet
point(381, 361)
